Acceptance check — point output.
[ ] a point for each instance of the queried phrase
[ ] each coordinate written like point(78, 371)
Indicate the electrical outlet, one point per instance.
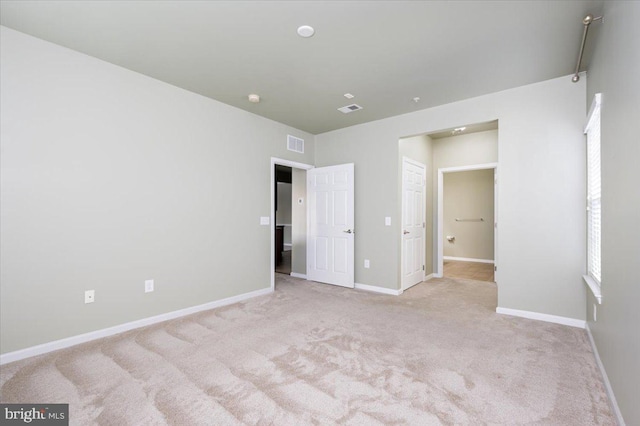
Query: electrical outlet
point(366, 263)
point(148, 286)
point(595, 312)
point(89, 296)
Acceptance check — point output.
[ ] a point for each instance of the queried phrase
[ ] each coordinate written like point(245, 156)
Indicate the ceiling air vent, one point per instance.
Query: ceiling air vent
point(350, 108)
point(295, 144)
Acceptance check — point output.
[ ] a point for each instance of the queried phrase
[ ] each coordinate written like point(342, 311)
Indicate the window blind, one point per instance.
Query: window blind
point(594, 193)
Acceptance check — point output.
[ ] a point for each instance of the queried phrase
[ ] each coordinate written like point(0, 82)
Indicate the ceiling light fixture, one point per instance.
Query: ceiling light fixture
point(349, 96)
point(306, 31)
point(458, 130)
point(416, 99)
point(254, 98)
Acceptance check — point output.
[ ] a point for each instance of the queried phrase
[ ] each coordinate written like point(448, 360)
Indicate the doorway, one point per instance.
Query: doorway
point(467, 222)
point(323, 244)
point(296, 235)
point(468, 147)
point(284, 227)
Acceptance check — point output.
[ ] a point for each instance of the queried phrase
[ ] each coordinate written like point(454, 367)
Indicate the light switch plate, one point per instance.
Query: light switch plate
point(367, 264)
point(148, 286)
point(387, 221)
point(264, 220)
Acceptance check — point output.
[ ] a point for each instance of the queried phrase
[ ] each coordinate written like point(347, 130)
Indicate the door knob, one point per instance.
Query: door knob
point(349, 231)
point(405, 232)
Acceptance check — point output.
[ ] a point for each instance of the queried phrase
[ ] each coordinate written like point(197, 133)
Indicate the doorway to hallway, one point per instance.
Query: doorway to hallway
point(467, 220)
point(284, 215)
point(294, 239)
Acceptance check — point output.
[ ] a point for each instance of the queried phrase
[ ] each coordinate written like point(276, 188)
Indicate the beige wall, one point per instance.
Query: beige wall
point(614, 72)
point(465, 150)
point(469, 195)
point(110, 178)
point(283, 213)
point(540, 126)
point(299, 221)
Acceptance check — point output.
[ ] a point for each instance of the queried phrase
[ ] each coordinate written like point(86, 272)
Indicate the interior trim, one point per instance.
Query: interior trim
point(595, 288)
point(376, 289)
point(612, 399)
point(468, 259)
point(572, 322)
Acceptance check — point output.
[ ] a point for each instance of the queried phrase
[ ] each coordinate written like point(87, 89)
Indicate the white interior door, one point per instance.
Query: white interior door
point(330, 236)
point(413, 226)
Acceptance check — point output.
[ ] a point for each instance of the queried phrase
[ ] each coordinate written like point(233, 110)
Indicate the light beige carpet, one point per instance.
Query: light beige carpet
point(317, 354)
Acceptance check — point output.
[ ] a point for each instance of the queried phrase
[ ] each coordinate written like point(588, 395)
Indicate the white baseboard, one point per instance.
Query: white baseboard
point(412, 285)
point(424, 278)
point(105, 332)
point(377, 289)
point(542, 317)
point(605, 378)
point(467, 259)
point(297, 275)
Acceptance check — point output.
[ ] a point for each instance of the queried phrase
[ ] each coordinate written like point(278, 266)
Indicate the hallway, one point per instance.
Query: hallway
point(468, 270)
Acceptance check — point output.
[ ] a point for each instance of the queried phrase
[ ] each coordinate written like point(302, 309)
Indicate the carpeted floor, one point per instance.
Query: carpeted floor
point(318, 354)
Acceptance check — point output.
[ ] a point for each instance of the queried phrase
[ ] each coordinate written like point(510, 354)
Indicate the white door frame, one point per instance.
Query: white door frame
point(280, 162)
point(440, 219)
point(424, 212)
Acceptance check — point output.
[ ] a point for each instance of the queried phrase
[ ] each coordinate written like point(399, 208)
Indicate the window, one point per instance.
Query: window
point(594, 200)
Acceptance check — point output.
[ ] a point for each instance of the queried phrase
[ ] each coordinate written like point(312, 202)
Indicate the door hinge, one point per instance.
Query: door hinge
point(423, 225)
point(423, 267)
point(495, 269)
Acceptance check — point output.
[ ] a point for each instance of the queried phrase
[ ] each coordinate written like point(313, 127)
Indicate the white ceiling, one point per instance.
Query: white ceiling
point(384, 52)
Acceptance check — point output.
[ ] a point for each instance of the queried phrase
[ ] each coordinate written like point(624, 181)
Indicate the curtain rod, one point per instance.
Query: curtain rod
point(586, 21)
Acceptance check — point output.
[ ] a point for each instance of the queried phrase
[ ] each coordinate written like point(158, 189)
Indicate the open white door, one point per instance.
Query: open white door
point(330, 234)
point(413, 226)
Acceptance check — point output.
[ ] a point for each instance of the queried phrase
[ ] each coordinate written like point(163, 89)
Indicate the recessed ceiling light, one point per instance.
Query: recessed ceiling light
point(254, 98)
point(349, 96)
point(306, 31)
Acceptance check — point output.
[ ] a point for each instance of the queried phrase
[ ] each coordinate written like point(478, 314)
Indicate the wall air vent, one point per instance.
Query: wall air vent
point(350, 108)
point(295, 144)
